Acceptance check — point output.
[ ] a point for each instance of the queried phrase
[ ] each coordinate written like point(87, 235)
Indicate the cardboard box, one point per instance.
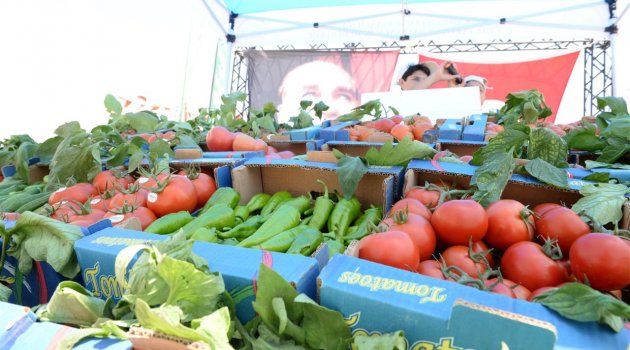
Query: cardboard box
point(297, 147)
point(380, 186)
point(220, 167)
point(451, 129)
point(475, 128)
point(352, 148)
point(238, 266)
point(436, 314)
point(310, 133)
point(337, 132)
point(36, 171)
point(525, 189)
point(22, 331)
point(233, 154)
point(460, 147)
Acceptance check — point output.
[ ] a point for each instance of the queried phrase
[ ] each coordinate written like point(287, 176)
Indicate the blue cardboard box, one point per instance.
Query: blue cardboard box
point(221, 167)
point(20, 330)
point(523, 188)
point(352, 148)
point(437, 314)
point(460, 147)
point(238, 266)
point(337, 132)
point(298, 147)
point(380, 186)
point(310, 133)
point(475, 128)
point(451, 129)
point(233, 154)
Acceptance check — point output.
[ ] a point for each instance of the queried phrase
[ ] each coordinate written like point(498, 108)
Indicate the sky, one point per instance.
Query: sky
point(60, 59)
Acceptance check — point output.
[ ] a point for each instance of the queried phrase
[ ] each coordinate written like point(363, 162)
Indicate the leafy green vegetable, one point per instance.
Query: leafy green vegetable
point(548, 146)
point(76, 157)
point(602, 202)
point(492, 177)
point(526, 106)
point(590, 164)
point(584, 138)
point(547, 173)
point(72, 303)
point(617, 105)
point(36, 237)
point(5, 293)
point(112, 105)
point(166, 319)
point(509, 139)
point(350, 171)
point(105, 329)
point(401, 154)
point(580, 302)
point(387, 341)
point(598, 177)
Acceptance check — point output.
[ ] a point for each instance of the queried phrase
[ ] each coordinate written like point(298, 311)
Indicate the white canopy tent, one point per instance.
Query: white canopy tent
point(307, 23)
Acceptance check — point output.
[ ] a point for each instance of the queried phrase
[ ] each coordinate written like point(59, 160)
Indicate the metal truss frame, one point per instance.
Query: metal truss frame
point(598, 79)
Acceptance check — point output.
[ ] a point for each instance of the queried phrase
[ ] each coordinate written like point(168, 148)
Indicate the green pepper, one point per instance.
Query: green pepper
point(274, 202)
point(282, 241)
point(205, 234)
point(306, 220)
point(306, 242)
point(219, 216)
point(301, 203)
point(335, 247)
point(170, 223)
point(323, 207)
point(230, 241)
point(244, 229)
point(257, 202)
point(286, 217)
point(344, 213)
point(364, 224)
point(241, 213)
point(223, 195)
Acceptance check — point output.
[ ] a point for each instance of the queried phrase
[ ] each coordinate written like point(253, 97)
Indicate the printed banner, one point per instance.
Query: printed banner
point(336, 78)
point(550, 76)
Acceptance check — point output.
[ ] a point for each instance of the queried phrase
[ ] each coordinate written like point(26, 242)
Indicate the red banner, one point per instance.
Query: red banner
point(549, 76)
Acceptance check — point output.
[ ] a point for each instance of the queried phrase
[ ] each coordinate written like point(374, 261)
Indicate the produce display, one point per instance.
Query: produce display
point(565, 256)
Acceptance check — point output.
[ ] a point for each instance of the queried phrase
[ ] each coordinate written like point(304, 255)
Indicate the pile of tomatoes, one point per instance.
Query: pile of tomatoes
point(396, 126)
point(116, 195)
point(505, 248)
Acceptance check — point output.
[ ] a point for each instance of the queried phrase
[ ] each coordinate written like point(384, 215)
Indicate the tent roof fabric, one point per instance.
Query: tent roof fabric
point(371, 22)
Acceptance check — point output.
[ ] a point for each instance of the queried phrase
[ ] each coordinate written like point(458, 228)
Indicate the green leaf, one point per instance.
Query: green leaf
point(46, 150)
point(584, 138)
point(160, 149)
point(74, 158)
point(40, 238)
point(187, 141)
point(215, 326)
point(166, 319)
point(401, 154)
point(267, 122)
point(325, 328)
point(547, 173)
point(304, 104)
point(617, 104)
point(598, 177)
point(510, 138)
point(135, 159)
point(350, 171)
point(107, 329)
point(602, 202)
point(618, 127)
point(118, 155)
point(5, 293)
point(73, 304)
point(69, 129)
point(271, 285)
point(25, 152)
point(387, 341)
point(142, 121)
point(319, 108)
point(615, 149)
point(579, 302)
point(492, 177)
point(548, 146)
point(591, 164)
point(112, 105)
point(195, 292)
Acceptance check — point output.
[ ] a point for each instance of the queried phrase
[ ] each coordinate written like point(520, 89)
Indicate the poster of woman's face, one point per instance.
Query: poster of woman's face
point(336, 78)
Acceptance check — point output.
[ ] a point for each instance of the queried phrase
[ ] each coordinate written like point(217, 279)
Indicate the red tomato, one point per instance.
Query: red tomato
point(431, 268)
point(520, 292)
point(508, 222)
point(79, 192)
point(564, 225)
point(456, 222)
point(149, 182)
point(419, 128)
point(10, 216)
point(380, 248)
point(178, 194)
point(478, 247)
point(420, 231)
point(244, 142)
point(64, 210)
point(500, 288)
point(541, 209)
point(204, 186)
point(90, 218)
point(401, 131)
point(219, 139)
point(396, 118)
point(412, 206)
point(100, 203)
point(429, 198)
point(144, 215)
point(525, 263)
point(384, 125)
point(601, 260)
point(111, 179)
point(138, 199)
point(458, 256)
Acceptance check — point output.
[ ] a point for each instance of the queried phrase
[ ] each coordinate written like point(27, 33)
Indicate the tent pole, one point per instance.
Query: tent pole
point(613, 68)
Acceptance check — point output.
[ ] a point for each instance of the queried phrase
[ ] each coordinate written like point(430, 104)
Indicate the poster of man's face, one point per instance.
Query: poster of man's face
point(336, 78)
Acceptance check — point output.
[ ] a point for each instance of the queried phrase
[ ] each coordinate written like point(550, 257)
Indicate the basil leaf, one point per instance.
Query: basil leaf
point(46, 150)
point(617, 104)
point(325, 328)
point(74, 158)
point(591, 164)
point(401, 154)
point(112, 105)
point(618, 127)
point(598, 177)
point(579, 302)
point(509, 138)
point(350, 171)
point(69, 129)
point(387, 341)
point(615, 149)
point(548, 146)
point(492, 177)
point(584, 138)
point(602, 202)
point(270, 286)
point(547, 173)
